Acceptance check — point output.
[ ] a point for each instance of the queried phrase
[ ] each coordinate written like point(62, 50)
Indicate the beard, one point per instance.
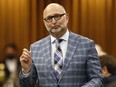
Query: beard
point(56, 29)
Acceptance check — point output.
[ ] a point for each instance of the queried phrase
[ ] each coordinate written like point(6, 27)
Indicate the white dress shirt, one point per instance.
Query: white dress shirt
point(63, 46)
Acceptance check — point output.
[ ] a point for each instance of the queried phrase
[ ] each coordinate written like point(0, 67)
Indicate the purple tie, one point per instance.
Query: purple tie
point(58, 61)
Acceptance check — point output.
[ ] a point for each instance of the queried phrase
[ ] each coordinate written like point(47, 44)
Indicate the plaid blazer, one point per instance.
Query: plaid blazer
point(81, 67)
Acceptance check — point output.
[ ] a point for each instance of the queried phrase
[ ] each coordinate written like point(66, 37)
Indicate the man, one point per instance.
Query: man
point(12, 65)
point(108, 64)
point(63, 59)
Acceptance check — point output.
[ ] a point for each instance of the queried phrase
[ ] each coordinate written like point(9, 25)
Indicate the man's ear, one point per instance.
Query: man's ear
point(105, 69)
point(67, 17)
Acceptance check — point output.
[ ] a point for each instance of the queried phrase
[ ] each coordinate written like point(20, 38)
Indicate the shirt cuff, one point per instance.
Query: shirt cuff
point(26, 74)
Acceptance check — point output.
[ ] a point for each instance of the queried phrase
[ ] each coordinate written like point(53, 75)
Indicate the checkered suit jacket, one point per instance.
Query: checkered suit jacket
point(81, 67)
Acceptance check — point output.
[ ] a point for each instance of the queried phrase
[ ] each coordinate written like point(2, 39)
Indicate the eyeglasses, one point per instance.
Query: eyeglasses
point(56, 17)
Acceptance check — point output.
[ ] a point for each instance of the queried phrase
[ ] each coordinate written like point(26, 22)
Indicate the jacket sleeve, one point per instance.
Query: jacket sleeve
point(94, 73)
point(30, 80)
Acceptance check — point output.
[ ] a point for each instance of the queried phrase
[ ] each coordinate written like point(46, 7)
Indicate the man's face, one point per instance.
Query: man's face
point(55, 20)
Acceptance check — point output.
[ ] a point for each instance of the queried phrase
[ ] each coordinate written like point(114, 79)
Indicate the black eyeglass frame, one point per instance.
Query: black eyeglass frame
point(50, 18)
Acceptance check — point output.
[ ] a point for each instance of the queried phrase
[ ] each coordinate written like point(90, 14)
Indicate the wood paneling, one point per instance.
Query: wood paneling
point(21, 21)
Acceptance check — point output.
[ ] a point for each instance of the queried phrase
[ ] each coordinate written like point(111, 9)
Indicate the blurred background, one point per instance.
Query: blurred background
point(21, 24)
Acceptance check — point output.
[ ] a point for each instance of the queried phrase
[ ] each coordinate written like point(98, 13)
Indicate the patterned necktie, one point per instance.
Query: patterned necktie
point(58, 61)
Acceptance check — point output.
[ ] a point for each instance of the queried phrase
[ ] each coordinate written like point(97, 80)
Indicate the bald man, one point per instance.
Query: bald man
point(62, 59)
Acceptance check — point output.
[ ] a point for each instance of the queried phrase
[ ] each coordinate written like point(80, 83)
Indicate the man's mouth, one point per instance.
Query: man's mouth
point(55, 27)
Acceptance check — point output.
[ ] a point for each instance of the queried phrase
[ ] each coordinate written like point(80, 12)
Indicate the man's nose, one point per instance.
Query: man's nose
point(53, 20)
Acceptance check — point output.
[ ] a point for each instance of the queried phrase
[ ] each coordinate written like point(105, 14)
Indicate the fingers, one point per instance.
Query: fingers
point(26, 53)
point(25, 60)
point(25, 56)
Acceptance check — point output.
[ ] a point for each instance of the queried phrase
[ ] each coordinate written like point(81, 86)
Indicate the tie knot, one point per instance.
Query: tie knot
point(58, 41)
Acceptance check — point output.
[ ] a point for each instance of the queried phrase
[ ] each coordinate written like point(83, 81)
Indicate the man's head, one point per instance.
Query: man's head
point(55, 19)
point(10, 51)
point(11, 57)
point(108, 64)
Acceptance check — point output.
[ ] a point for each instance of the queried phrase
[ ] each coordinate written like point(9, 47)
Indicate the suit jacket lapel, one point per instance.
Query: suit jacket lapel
point(47, 55)
point(72, 45)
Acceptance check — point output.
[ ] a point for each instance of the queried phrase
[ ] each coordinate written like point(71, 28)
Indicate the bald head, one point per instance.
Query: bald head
point(53, 8)
point(57, 26)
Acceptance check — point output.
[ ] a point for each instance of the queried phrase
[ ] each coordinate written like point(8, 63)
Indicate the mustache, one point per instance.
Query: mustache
point(56, 26)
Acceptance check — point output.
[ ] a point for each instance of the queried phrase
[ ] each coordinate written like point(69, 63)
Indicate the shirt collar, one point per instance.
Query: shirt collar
point(64, 37)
